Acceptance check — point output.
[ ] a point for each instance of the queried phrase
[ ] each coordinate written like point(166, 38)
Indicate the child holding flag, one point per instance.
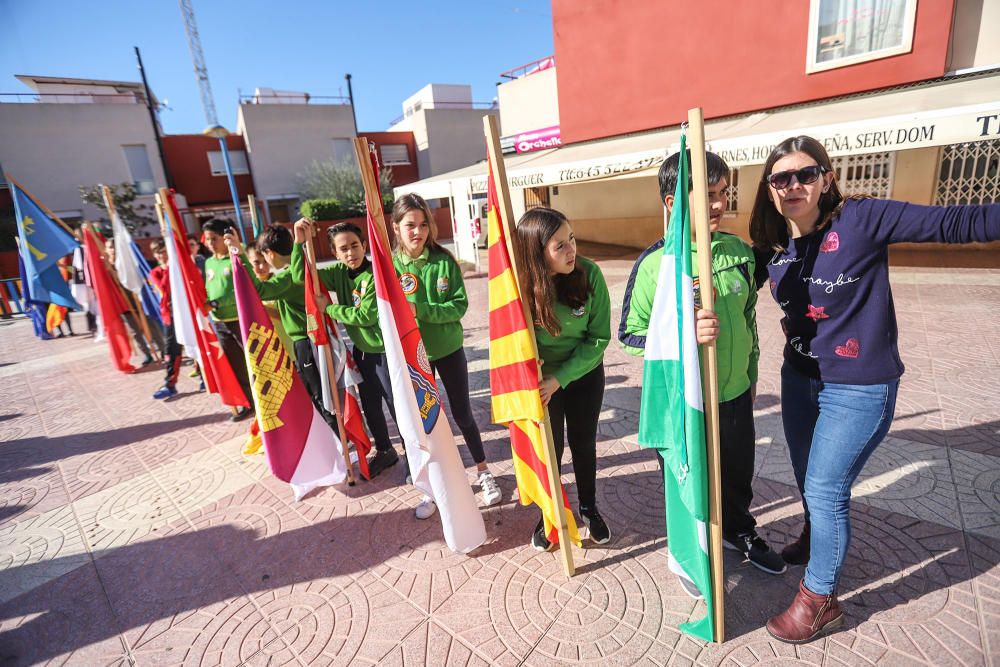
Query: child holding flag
point(159, 276)
point(222, 299)
point(734, 326)
point(352, 282)
point(432, 281)
point(288, 294)
point(262, 271)
point(571, 309)
point(128, 316)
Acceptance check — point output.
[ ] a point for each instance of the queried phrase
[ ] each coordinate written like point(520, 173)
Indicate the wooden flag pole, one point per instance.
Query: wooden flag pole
point(328, 360)
point(45, 209)
point(709, 366)
point(371, 186)
point(254, 220)
point(507, 213)
point(134, 304)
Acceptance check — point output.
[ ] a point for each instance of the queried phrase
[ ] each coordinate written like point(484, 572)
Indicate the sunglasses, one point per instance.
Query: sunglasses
point(804, 176)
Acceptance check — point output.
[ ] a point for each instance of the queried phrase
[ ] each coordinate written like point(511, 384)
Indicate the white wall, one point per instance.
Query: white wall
point(529, 103)
point(53, 149)
point(449, 139)
point(975, 37)
point(282, 140)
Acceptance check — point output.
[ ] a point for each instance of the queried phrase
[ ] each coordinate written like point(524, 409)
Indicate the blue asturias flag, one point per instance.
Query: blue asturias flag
point(43, 243)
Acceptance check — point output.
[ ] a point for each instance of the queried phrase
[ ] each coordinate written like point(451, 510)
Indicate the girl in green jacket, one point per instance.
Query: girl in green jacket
point(571, 308)
point(432, 282)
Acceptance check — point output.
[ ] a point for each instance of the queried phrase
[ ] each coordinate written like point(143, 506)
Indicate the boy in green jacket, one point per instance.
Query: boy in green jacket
point(351, 280)
point(735, 326)
point(222, 299)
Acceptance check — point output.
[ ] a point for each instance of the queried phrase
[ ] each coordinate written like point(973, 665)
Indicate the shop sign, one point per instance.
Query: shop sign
point(536, 140)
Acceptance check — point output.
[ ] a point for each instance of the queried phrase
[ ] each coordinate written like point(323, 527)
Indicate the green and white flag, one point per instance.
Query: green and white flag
point(672, 416)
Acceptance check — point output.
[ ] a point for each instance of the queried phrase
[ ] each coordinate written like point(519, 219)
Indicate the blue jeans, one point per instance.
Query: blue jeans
point(831, 430)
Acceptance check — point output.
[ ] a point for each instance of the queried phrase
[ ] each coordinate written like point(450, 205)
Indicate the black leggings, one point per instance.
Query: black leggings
point(173, 356)
point(231, 341)
point(453, 370)
point(374, 389)
point(305, 364)
point(574, 410)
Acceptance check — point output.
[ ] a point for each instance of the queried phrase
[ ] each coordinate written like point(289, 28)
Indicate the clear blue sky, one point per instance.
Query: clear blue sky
point(392, 49)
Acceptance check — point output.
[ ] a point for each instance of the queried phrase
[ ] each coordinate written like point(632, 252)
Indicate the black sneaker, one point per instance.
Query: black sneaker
point(383, 459)
point(688, 586)
point(599, 531)
point(240, 414)
point(755, 550)
point(539, 540)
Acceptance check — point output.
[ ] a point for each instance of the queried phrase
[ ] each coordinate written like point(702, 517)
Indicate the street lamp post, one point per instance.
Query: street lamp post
point(221, 133)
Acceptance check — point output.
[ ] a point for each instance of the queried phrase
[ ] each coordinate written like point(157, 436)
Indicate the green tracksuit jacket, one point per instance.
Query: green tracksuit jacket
point(735, 306)
point(356, 306)
point(585, 332)
point(433, 283)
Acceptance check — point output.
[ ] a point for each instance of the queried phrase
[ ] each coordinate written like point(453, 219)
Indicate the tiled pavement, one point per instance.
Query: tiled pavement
point(134, 532)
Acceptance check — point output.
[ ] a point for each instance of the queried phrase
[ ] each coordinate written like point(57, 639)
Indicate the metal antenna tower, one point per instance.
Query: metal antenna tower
point(198, 57)
point(208, 104)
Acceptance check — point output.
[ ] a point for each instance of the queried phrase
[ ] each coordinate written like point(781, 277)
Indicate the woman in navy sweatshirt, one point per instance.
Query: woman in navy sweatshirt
point(827, 261)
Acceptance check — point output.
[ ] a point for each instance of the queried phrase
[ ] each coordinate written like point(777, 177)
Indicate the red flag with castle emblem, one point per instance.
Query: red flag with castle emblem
point(301, 448)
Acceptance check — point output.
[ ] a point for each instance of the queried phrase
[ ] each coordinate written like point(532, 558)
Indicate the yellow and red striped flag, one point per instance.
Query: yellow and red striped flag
point(514, 379)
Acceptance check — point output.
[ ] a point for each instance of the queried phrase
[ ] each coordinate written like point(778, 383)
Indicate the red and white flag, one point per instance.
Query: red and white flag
point(434, 460)
point(188, 302)
point(111, 304)
point(345, 376)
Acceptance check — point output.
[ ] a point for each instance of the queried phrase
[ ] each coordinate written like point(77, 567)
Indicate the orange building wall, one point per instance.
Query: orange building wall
point(632, 66)
point(186, 156)
point(401, 174)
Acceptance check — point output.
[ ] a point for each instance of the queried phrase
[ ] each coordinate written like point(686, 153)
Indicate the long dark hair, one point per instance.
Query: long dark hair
point(534, 230)
point(768, 228)
point(414, 202)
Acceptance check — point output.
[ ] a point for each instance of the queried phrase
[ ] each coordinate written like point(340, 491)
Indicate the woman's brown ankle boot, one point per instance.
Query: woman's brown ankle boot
point(797, 553)
point(808, 617)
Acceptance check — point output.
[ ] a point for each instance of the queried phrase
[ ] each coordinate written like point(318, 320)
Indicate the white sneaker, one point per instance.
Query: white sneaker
point(490, 488)
point(426, 508)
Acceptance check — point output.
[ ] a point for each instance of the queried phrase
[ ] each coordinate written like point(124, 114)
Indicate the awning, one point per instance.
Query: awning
point(945, 111)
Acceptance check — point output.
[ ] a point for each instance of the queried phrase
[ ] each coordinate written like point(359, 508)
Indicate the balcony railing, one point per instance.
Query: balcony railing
point(73, 98)
point(445, 105)
point(291, 98)
point(548, 62)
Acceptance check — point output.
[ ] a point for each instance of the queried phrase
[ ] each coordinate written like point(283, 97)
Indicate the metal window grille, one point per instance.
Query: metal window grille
point(732, 205)
point(865, 174)
point(969, 173)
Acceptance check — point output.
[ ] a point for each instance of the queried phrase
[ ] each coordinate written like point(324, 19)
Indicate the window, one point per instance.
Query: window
point(237, 160)
point(394, 154)
point(865, 174)
point(283, 209)
point(139, 169)
point(846, 32)
point(343, 151)
point(969, 173)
